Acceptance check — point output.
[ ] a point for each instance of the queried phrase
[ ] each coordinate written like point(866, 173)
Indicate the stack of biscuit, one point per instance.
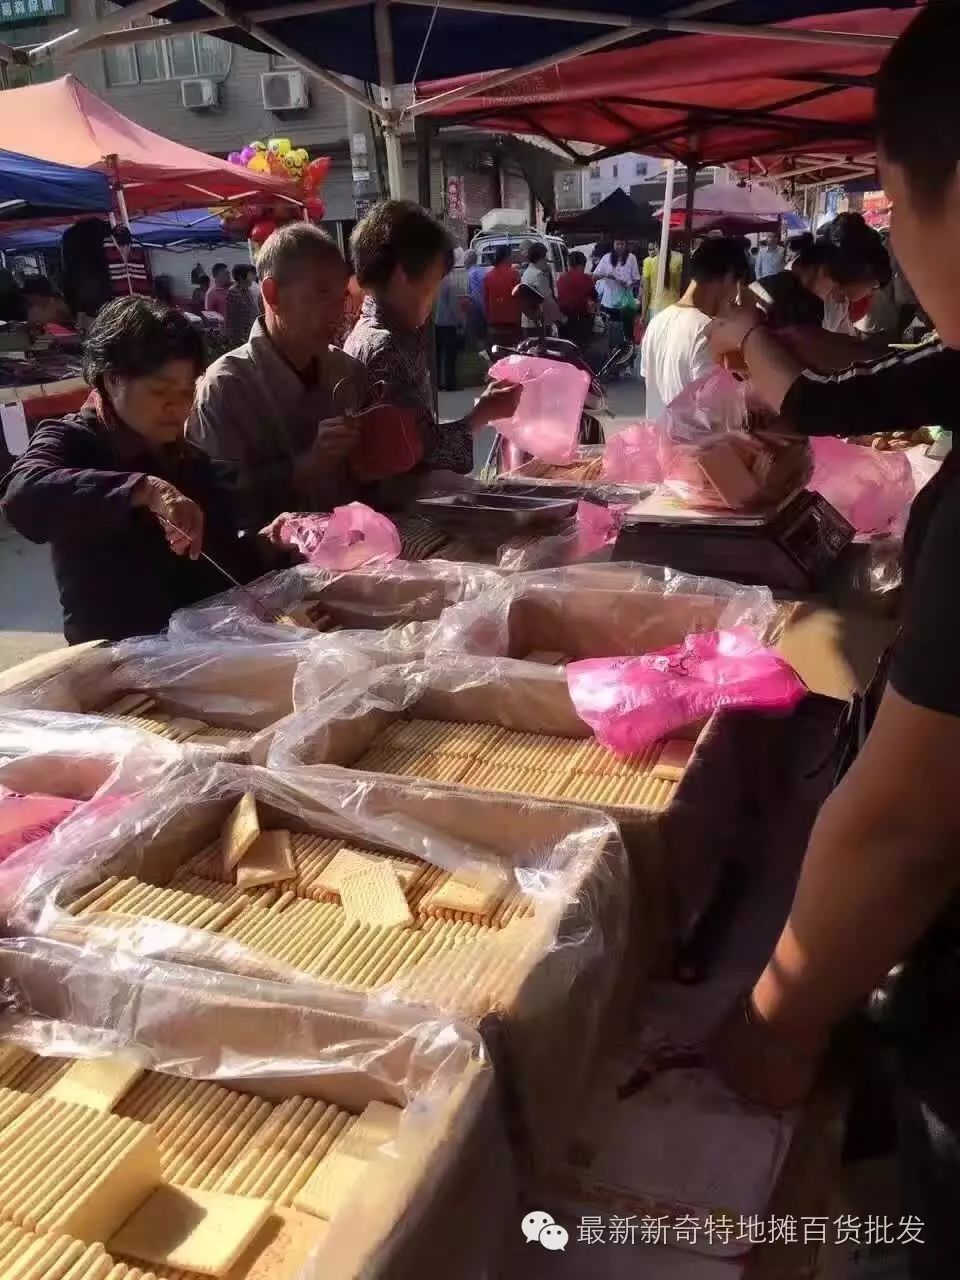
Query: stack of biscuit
point(144, 712)
point(491, 758)
point(416, 914)
point(168, 1178)
point(310, 615)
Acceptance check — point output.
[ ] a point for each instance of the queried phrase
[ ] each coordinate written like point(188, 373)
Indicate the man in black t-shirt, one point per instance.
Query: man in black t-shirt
point(883, 864)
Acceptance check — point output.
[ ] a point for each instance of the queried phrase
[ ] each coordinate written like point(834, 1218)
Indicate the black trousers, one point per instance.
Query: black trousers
point(448, 348)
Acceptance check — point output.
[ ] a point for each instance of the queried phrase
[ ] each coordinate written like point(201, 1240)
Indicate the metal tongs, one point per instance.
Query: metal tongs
point(260, 608)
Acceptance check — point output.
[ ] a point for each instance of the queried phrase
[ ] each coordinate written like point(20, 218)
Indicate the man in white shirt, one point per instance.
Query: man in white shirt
point(674, 351)
point(772, 258)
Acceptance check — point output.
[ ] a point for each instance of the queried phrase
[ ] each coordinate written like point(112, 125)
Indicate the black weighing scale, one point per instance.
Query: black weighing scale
point(790, 548)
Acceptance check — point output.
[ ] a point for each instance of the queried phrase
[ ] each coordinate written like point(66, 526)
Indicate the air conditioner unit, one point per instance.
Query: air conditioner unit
point(196, 95)
point(284, 90)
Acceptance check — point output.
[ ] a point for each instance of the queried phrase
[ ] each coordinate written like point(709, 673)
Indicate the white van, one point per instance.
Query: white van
point(509, 230)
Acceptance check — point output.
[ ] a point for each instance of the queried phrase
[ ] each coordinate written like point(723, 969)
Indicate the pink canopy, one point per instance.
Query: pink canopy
point(64, 122)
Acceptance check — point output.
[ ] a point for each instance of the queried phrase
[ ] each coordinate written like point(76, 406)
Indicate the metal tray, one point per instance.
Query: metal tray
point(487, 517)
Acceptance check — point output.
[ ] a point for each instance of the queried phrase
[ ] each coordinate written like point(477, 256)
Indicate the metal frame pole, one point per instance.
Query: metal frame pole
point(664, 256)
point(383, 34)
point(693, 166)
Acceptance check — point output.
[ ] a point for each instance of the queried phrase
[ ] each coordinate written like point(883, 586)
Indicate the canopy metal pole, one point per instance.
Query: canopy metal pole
point(383, 35)
point(200, 26)
point(693, 165)
point(664, 257)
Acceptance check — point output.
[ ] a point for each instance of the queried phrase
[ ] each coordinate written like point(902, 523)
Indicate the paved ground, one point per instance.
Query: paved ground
point(30, 611)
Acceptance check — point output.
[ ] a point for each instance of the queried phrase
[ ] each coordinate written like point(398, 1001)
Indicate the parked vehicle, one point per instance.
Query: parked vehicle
point(506, 226)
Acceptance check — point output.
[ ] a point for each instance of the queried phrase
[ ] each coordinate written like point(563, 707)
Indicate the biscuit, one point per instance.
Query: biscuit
point(268, 860)
point(240, 830)
point(375, 896)
point(673, 760)
point(202, 1231)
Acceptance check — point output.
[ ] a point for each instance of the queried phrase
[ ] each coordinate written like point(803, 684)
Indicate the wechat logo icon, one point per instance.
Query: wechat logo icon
point(540, 1227)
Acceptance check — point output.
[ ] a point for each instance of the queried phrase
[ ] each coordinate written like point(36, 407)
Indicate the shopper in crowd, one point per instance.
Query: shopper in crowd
point(675, 352)
point(476, 323)
point(538, 302)
point(448, 326)
point(877, 899)
point(241, 306)
point(618, 281)
point(843, 265)
point(401, 254)
point(772, 257)
point(198, 299)
point(274, 408)
point(652, 299)
point(125, 503)
point(577, 298)
point(501, 305)
point(216, 299)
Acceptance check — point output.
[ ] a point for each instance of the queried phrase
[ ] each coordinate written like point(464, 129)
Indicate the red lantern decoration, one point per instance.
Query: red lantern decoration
point(262, 230)
point(315, 209)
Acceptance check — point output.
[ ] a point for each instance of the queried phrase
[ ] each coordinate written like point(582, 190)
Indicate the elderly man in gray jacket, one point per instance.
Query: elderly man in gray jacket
point(276, 410)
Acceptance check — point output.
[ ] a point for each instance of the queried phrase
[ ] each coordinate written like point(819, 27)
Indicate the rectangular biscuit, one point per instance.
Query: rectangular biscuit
point(269, 860)
point(240, 830)
point(203, 1231)
point(99, 1083)
point(332, 1185)
point(673, 760)
point(375, 896)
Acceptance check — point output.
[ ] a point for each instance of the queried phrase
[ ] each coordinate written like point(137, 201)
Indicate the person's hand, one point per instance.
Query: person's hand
point(271, 532)
point(731, 329)
point(336, 438)
point(498, 401)
point(179, 516)
point(759, 1063)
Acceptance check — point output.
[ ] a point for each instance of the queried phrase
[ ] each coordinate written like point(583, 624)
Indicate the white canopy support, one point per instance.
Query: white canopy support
point(386, 70)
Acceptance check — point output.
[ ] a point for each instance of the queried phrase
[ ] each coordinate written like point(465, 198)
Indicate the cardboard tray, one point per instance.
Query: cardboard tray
point(260, 1038)
point(562, 1003)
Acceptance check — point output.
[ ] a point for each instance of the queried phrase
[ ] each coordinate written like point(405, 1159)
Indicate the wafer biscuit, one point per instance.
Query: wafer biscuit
point(130, 704)
point(476, 893)
point(375, 896)
point(240, 830)
point(332, 1185)
point(268, 860)
point(99, 1083)
point(202, 1231)
point(673, 760)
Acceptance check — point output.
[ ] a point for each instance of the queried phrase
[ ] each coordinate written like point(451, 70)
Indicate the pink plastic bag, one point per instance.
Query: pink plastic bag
point(712, 405)
point(870, 489)
point(547, 421)
point(631, 702)
point(352, 536)
point(24, 819)
point(632, 456)
point(597, 527)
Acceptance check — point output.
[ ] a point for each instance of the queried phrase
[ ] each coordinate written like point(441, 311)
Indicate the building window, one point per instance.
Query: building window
point(178, 58)
point(595, 197)
point(641, 169)
point(613, 171)
point(594, 172)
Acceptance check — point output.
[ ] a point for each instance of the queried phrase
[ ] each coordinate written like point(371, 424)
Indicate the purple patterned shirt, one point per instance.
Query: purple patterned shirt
point(398, 357)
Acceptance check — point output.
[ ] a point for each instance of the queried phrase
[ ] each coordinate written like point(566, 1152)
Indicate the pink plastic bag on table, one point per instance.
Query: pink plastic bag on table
point(352, 536)
point(547, 421)
point(870, 489)
point(631, 702)
point(632, 456)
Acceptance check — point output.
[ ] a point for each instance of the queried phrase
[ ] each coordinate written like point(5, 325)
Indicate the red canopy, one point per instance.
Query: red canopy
point(64, 122)
point(724, 99)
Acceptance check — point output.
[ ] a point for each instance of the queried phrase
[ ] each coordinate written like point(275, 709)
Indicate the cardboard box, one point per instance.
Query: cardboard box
point(432, 1204)
point(559, 1000)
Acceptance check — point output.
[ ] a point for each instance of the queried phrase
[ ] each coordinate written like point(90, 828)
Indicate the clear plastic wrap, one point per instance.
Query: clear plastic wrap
point(265, 1039)
point(209, 696)
point(389, 597)
point(588, 537)
point(680, 827)
point(535, 970)
point(599, 612)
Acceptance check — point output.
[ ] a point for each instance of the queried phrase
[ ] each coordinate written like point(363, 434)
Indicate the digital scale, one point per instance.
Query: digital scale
point(788, 548)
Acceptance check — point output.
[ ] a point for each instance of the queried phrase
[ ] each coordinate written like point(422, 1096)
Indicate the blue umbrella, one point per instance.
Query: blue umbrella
point(187, 226)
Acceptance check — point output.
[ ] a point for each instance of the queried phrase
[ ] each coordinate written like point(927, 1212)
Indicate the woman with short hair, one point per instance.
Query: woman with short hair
point(126, 504)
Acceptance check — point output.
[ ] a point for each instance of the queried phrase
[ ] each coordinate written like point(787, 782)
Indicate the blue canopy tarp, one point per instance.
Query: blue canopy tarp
point(32, 188)
point(455, 40)
point(189, 226)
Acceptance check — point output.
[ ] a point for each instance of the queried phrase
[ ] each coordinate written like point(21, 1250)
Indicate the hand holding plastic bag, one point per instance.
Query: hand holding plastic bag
point(631, 702)
point(546, 423)
point(352, 536)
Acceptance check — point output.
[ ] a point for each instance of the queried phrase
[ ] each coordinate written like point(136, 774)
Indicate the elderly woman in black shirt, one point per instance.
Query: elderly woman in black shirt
point(126, 504)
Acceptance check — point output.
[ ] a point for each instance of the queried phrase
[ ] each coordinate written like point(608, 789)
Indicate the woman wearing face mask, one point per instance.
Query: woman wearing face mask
point(845, 263)
point(125, 503)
